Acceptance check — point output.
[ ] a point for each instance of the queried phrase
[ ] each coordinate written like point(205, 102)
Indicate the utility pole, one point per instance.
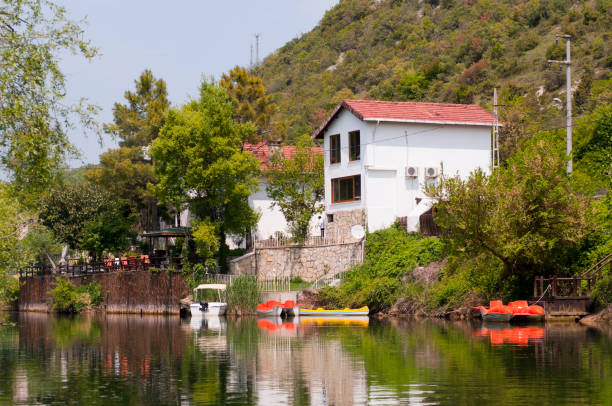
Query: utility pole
point(495, 149)
point(257, 48)
point(568, 98)
point(251, 64)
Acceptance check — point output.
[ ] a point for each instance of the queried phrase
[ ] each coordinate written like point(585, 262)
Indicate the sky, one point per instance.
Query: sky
point(180, 41)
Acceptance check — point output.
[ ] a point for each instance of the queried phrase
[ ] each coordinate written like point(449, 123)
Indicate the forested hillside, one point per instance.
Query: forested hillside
point(446, 51)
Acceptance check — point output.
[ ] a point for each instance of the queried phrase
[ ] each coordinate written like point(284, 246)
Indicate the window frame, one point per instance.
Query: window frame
point(354, 147)
point(353, 177)
point(334, 152)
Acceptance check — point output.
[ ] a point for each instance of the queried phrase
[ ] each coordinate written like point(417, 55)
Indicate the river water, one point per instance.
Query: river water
point(133, 360)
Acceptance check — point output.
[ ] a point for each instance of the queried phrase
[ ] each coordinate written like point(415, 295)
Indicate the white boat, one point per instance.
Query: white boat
point(204, 308)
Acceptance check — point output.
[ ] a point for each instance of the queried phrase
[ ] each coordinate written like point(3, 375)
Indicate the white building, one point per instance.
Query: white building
point(271, 219)
point(378, 155)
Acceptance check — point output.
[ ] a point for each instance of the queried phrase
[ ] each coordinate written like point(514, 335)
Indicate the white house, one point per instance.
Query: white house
point(378, 155)
point(271, 220)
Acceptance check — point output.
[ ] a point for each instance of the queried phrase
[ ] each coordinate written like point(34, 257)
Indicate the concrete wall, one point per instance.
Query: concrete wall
point(387, 149)
point(124, 292)
point(308, 263)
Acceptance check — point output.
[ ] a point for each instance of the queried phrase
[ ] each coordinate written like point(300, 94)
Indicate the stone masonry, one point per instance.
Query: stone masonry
point(308, 263)
point(340, 228)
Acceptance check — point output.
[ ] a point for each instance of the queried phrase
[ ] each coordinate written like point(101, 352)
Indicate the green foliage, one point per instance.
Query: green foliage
point(94, 290)
point(125, 172)
point(34, 112)
point(526, 215)
point(199, 162)
point(65, 298)
point(251, 104)
point(138, 122)
point(85, 217)
point(243, 295)
point(602, 292)
point(68, 298)
point(390, 254)
point(439, 51)
point(296, 186)
point(9, 289)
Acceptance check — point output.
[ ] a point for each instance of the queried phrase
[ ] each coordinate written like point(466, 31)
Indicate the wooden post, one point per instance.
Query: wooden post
point(541, 285)
point(554, 286)
point(579, 286)
point(535, 287)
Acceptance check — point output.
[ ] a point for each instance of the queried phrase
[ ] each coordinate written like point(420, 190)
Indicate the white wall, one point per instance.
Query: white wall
point(387, 148)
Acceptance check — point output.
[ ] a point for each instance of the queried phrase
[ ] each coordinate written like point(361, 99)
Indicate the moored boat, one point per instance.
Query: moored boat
point(290, 309)
point(270, 309)
point(205, 308)
point(363, 311)
point(495, 312)
point(515, 311)
point(523, 312)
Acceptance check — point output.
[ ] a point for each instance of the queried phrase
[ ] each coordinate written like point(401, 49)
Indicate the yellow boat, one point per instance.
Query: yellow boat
point(363, 311)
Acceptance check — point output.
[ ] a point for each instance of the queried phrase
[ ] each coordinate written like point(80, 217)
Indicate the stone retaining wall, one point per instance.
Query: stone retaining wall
point(308, 263)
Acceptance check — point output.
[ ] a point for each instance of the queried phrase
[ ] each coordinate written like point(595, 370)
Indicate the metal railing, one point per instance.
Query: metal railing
point(105, 266)
point(316, 241)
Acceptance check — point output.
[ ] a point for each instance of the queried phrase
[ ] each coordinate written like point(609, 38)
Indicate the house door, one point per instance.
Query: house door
point(381, 198)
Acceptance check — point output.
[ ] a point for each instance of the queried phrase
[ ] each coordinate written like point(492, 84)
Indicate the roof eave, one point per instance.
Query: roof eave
point(392, 120)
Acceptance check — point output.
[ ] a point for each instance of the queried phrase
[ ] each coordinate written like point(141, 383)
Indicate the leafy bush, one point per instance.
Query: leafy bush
point(94, 290)
point(243, 295)
point(390, 254)
point(9, 289)
point(65, 297)
point(602, 292)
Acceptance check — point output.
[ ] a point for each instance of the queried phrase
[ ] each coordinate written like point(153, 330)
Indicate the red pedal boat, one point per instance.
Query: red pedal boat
point(515, 311)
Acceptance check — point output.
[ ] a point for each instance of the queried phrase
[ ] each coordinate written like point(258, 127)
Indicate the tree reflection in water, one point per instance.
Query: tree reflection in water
point(119, 359)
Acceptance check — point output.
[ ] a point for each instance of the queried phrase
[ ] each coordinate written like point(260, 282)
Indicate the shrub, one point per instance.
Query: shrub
point(94, 290)
point(9, 289)
point(65, 297)
point(602, 292)
point(243, 295)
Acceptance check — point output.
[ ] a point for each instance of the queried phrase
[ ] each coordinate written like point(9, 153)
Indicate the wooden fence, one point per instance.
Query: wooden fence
point(575, 286)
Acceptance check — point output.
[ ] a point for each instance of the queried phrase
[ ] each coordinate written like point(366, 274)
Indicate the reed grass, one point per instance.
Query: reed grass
point(243, 295)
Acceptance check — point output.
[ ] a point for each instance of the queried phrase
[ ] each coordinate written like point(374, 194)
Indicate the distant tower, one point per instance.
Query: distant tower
point(257, 48)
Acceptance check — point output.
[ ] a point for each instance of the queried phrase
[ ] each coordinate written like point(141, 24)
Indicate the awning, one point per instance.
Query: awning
point(169, 232)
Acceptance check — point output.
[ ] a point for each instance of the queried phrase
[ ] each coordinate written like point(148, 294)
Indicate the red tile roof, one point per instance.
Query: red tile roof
point(262, 151)
point(434, 113)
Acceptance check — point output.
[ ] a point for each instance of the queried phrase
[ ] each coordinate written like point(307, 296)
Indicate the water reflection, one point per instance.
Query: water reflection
point(117, 359)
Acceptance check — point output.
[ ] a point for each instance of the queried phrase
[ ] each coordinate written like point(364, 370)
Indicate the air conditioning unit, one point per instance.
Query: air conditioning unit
point(431, 172)
point(412, 172)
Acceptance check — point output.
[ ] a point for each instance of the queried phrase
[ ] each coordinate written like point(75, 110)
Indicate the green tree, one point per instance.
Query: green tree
point(251, 104)
point(125, 172)
point(138, 122)
point(199, 162)
point(34, 113)
point(76, 215)
point(526, 215)
point(296, 185)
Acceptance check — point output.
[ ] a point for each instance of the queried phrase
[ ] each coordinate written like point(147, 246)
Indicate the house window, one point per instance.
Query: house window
point(354, 146)
point(334, 149)
point(346, 189)
point(330, 218)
